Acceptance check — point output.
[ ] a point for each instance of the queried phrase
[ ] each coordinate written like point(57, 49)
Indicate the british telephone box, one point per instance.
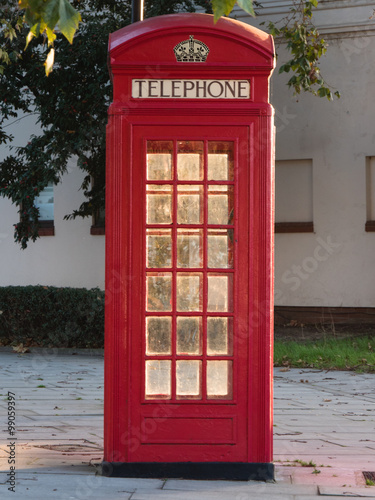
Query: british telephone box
point(189, 251)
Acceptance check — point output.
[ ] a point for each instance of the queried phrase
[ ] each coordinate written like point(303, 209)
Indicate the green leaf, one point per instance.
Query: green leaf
point(51, 36)
point(285, 68)
point(69, 19)
point(222, 8)
point(36, 30)
point(247, 6)
point(51, 13)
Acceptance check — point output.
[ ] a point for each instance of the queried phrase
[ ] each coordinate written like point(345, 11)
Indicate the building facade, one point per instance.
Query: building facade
point(325, 186)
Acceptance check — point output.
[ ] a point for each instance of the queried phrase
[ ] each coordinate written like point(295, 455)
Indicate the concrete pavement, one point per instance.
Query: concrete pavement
point(324, 436)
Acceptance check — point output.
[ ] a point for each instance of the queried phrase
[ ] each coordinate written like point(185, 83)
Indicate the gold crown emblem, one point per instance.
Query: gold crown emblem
point(191, 51)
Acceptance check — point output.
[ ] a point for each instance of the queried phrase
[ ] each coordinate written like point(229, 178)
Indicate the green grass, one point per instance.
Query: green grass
point(327, 354)
point(305, 464)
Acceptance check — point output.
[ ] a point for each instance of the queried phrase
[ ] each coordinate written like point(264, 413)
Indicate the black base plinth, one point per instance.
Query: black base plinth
point(236, 471)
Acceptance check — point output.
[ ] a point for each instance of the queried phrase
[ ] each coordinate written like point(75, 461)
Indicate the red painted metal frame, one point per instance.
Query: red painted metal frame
point(151, 446)
point(237, 51)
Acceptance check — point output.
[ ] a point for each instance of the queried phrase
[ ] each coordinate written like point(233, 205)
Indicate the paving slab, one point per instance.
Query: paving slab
point(209, 495)
point(249, 487)
point(367, 492)
point(327, 417)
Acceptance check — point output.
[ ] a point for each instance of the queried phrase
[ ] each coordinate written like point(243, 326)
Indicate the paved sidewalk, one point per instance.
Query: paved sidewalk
point(327, 418)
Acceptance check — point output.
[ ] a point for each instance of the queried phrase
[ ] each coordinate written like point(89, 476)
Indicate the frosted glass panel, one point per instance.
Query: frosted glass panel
point(189, 335)
point(189, 167)
point(219, 293)
point(190, 160)
point(159, 292)
point(220, 205)
point(159, 160)
point(159, 204)
point(158, 335)
point(217, 167)
point(158, 378)
point(45, 203)
point(220, 161)
point(219, 377)
point(159, 248)
point(159, 166)
point(188, 378)
point(189, 204)
point(219, 336)
point(189, 292)
point(189, 248)
point(220, 248)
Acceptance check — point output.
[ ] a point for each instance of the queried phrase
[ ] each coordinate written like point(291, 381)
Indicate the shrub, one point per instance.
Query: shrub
point(50, 316)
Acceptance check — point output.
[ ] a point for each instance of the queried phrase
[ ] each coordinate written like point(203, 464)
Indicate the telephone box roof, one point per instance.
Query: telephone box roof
point(203, 24)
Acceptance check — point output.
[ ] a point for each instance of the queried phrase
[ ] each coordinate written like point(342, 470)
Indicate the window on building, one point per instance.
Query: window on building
point(370, 194)
point(294, 196)
point(45, 203)
point(98, 222)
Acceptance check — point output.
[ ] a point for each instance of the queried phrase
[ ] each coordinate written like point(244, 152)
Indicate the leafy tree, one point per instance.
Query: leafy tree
point(71, 104)
point(306, 47)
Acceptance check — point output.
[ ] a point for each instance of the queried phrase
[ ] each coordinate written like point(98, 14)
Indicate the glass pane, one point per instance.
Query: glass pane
point(220, 205)
point(219, 379)
point(159, 204)
point(220, 161)
point(159, 248)
point(158, 335)
point(190, 160)
point(159, 167)
point(220, 248)
point(189, 204)
point(188, 378)
point(219, 293)
point(189, 292)
point(189, 248)
point(189, 335)
point(159, 160)
point(159, 292)
point(45, 203)
point(158, 378)
point(219, 336)
point(99, 217)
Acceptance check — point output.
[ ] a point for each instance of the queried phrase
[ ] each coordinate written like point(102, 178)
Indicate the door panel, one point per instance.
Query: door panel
point(189, 383)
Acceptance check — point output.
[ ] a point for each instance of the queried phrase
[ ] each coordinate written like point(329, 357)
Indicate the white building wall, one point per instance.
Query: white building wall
point(335, 265)
point(70, 258)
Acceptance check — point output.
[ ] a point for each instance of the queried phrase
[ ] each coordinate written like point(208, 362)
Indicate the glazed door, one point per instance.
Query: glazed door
point(189, 337)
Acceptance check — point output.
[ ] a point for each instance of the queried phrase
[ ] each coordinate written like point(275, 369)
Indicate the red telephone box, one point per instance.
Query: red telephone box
point(189, 251)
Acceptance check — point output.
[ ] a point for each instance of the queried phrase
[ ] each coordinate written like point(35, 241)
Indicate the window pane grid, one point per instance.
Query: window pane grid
point(204, 352)
point(174, 232)
point(184, 280)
